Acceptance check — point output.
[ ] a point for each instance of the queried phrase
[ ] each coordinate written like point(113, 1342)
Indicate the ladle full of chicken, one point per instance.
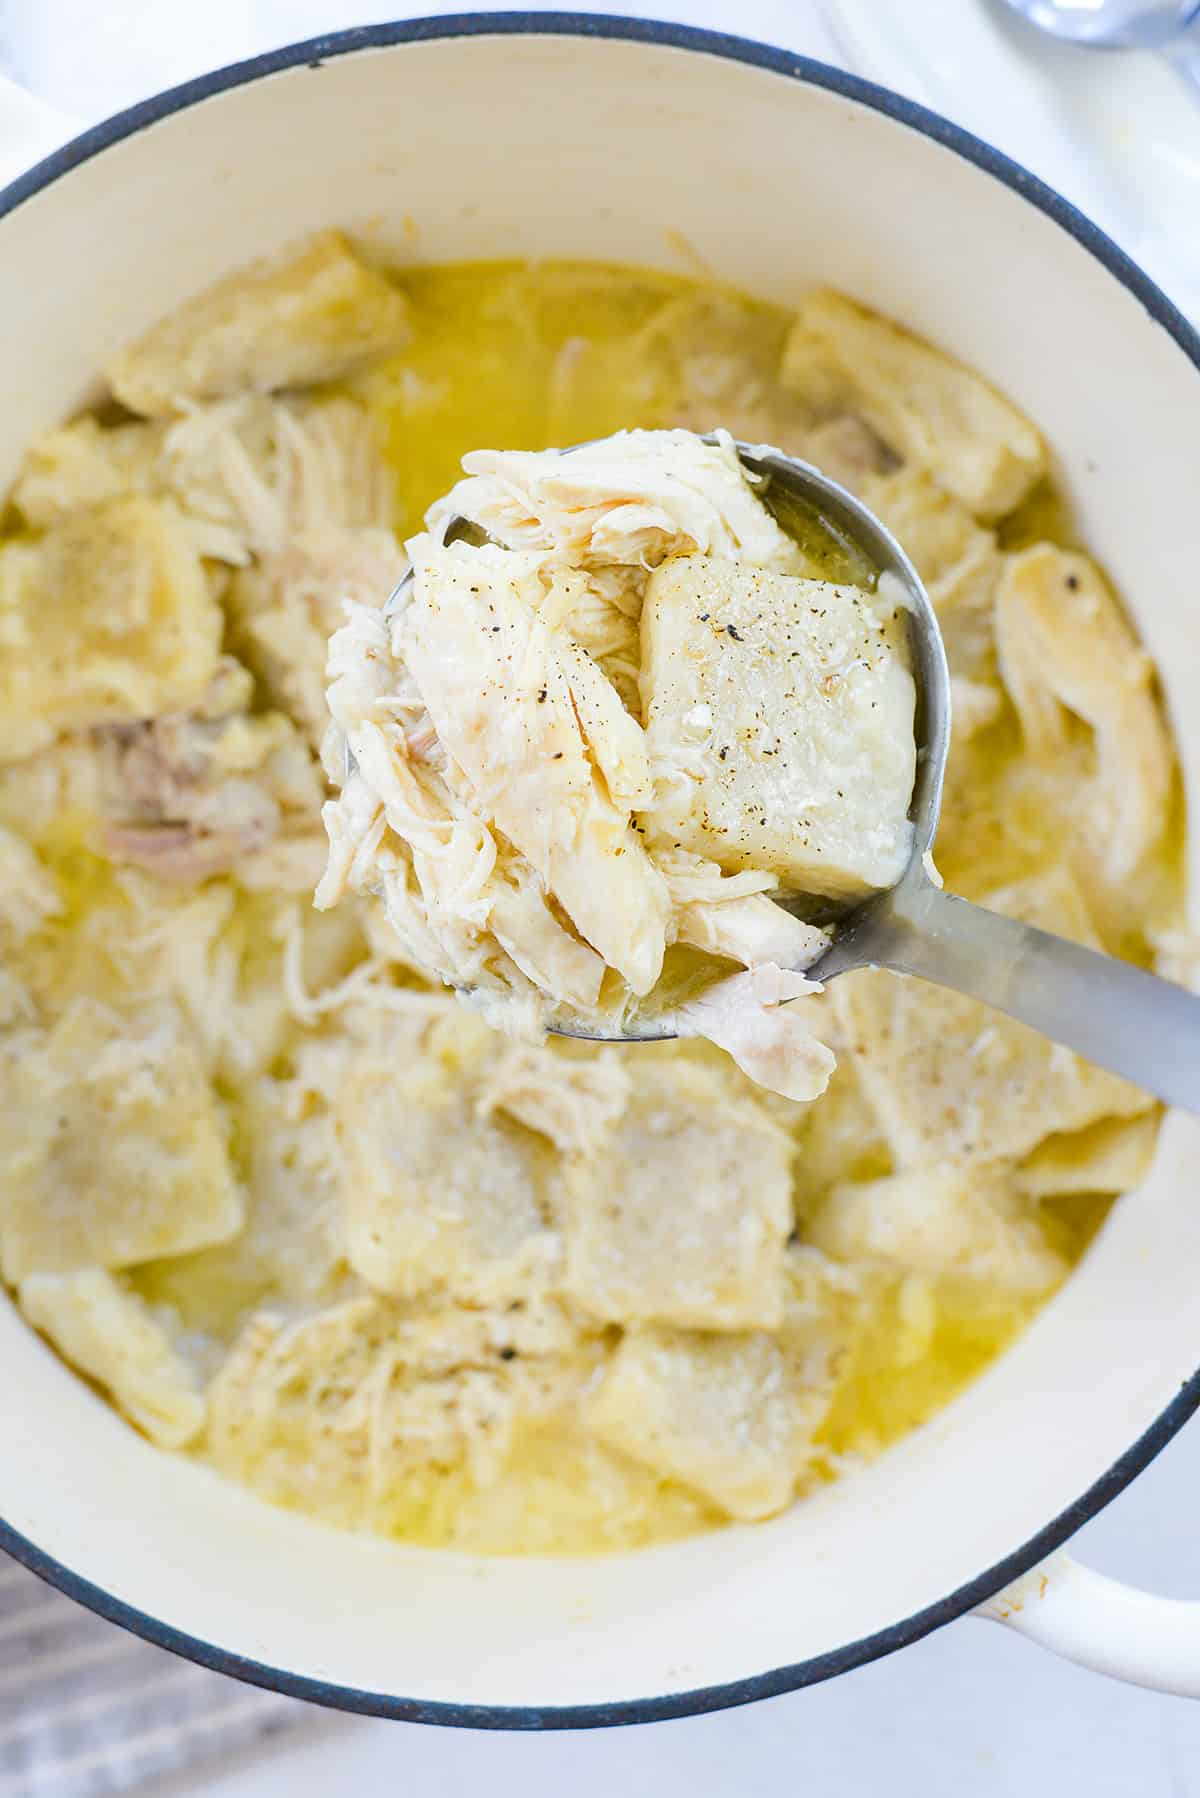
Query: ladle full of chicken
point(618, 729)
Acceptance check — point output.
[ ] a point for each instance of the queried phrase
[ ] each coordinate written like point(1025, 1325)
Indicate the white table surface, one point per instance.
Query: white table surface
point(971, 1711)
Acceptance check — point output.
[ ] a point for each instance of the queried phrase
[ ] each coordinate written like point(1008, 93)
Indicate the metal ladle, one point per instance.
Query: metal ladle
point(1113, 1014)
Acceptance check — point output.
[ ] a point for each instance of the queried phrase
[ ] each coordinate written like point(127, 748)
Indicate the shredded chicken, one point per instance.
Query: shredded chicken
point(744, 1015)
point(1065, 648)
point(573, 1103)
point(627, 501)
point(297, 498)
point(199, 793)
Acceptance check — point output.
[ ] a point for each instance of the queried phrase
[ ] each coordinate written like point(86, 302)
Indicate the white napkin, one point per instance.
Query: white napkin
point(88, 1710)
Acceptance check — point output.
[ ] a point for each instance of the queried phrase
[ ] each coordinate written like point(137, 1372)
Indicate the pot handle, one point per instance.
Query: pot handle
point(29, 129)
point(1099, 1623)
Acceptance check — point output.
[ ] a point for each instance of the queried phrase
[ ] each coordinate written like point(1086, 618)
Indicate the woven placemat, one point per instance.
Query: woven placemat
point(86, 1709)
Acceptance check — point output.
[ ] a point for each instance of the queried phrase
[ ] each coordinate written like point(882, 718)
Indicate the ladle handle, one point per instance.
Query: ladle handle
point(1113, 1014)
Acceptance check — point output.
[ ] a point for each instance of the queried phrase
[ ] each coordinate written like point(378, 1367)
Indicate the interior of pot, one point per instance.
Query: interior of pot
point(491, 145)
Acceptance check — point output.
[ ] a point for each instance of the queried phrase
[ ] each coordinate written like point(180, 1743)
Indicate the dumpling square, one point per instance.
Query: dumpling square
point(684, 1215)
point(309, 313)
point(732, 1416)
point(437, 1197)
point(952, 1080)
point(111, 1334)
point(114, 1147)
point(957, 1221)
point(779, 714)
point(107, 619)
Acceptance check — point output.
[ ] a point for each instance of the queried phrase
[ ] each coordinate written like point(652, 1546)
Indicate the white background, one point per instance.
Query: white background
point(970, 1711)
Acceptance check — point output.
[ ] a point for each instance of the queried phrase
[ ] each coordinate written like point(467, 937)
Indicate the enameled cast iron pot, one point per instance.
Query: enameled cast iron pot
point(542, 134)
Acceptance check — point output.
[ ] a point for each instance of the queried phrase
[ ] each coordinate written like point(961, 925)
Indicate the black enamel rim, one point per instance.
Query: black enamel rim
point(917, 118)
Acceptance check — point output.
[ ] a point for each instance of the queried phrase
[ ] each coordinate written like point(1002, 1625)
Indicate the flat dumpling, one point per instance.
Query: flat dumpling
point(779, 716)
point(106, 619)
point(839, 1136)
point(76, 466)
point(923, 404)
point(113, 1336)
point(437, 1196)
point(114, 1146)
point(966, 1223)
point(951, 1079)
point(731, 1415)
point(308, 313)
point(1112, 1156)
point(289, 1248)
point(683, 1215)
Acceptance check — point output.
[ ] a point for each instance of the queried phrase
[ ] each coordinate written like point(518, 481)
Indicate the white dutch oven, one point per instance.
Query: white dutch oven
point(553, 135)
